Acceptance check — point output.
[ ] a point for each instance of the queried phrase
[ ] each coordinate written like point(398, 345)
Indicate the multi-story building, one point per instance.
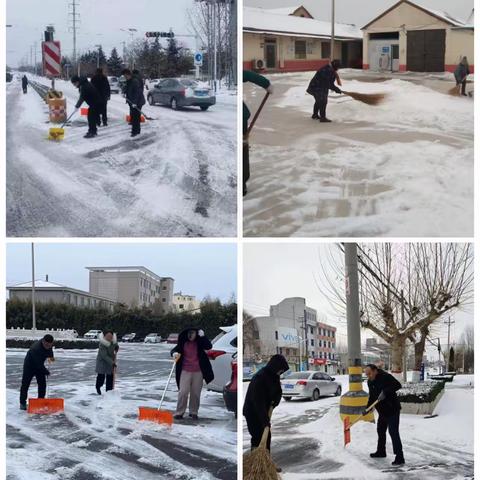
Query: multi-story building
point(46, 292)
point(133, 286)
point(326, 338)
point(185, 303)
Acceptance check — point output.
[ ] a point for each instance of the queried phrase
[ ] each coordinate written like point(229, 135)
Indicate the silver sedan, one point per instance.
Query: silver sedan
point(309, 384)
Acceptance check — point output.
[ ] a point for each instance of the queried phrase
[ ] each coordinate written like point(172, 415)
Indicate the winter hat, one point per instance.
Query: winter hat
point(75, 78)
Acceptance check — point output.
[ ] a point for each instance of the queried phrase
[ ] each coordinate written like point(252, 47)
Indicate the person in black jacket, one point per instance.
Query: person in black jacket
point(33, 366)
point(192, 368)
point(264, 394)
point(383, 387)
point(321, 83)
point(101, 83)
point(90, 95)
point(135, 98)
point(24, 83)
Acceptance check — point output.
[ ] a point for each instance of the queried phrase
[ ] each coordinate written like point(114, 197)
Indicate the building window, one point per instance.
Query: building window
point(325, 50)
point(276, 335)
point(164, 300)
point(311, 330)
point(287, 351)
point(313, 354)
point(300, 49)
point(164, 288)
point(312, 342)
point(181, 306)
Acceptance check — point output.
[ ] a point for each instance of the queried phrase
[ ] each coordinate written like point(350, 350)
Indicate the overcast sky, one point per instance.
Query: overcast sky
point(198, 269)
point(273, 272)
point(101, 21)
point(360, 12)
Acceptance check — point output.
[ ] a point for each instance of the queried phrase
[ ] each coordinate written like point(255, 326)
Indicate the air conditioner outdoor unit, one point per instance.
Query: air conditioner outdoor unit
point(258, 64)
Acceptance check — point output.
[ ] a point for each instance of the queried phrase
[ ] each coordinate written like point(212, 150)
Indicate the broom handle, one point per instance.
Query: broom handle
point(266, 431)
point(168, 382)
point(72, 114)
point(255, 117)
point(366, 411)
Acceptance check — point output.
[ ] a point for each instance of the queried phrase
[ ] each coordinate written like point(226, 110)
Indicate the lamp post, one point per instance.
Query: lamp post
point(131, 32)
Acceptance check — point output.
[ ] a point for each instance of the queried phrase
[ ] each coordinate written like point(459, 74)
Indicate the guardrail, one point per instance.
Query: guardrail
point(41, 89)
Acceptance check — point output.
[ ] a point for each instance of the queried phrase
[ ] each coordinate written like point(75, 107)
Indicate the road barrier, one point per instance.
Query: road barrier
point(55, 100)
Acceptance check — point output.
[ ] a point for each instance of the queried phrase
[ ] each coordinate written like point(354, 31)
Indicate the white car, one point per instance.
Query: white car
point(153, 338)
point(224, 347)
point(92, 334)
point(114, 85)
point(309, 384)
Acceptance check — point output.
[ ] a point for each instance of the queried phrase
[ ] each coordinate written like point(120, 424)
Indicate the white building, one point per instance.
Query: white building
point(185, 303)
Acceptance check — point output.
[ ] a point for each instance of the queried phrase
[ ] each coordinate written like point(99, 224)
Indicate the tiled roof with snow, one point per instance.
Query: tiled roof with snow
point(264, 21)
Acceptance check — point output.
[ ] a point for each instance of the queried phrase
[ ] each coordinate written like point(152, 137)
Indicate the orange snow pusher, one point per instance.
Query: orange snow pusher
point(158, 415)
point(45, 406)
point(347, 425)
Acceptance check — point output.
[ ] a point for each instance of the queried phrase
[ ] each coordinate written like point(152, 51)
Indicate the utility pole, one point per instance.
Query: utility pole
point(439, 357)
point(34, 322)
point(75, 18)
point(332, 40)
point(404, 366)
point(306, 336)
point(450, 322)
point(35, 57)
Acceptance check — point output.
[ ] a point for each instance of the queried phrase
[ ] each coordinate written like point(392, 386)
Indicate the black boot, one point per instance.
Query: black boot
point(90, 135)
point(378, 454)
point(98, 390)
point(178, 417)
point(325, 120)
point(399, 460)
point(23, 406)
point(315, 116)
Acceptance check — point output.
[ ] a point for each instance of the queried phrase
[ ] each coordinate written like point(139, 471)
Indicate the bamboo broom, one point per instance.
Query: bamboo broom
point(258, 464)
point(368, 98)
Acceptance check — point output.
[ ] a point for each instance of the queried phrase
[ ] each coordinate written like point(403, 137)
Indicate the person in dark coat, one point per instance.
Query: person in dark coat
point(461, 73)
point(90, 95)
point(106, 363)
point(101, 83)
point(34, 366)
point(383, 387)
point(135, 99)
point(24, 83)
point(261, 81)
point(192, 368)
point(321, 83)
point(263, 395)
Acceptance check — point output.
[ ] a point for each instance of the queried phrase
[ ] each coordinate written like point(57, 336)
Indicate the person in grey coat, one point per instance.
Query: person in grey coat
point(106, 360)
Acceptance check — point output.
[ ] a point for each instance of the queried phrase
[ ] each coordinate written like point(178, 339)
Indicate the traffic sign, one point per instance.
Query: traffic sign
point(51, 58)
point(169, 34)
point(198, 59)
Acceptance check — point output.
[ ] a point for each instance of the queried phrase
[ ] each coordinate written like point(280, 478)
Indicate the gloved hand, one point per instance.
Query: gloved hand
point(176, 356)
point(201, 333)
point(270, 89)
point(382, 396)
point(133, 105)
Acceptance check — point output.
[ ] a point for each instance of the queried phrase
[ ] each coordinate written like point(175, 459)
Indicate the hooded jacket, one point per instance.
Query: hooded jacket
point(134, 91)
point(35, 358)
point(265, 391)
point(389, 385)
point(88, 94)
point(203, 343)
point(106, 355)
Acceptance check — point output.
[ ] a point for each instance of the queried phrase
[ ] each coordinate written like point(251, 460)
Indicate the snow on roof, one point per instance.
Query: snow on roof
point(38, 284)
point(286, 10)
point(264, 21)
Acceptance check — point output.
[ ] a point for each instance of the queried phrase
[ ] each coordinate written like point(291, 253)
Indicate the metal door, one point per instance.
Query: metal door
point(395, 49)
point(270, 55)
point(426, 50)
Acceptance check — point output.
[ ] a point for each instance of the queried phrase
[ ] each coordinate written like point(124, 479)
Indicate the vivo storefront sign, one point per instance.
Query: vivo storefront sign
point(288, 337)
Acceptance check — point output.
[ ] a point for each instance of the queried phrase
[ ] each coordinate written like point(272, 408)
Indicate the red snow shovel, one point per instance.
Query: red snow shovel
point(158, 415)
point(255, 117)
point(347, 425)
point(44, 406)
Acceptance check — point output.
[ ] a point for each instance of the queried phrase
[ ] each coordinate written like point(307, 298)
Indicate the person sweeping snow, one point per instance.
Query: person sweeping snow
point(34, 366)
point(321, 83)
point(461, 73)
point(192, 368)
point(383, 387)
point(90, 95)
point(106, 360)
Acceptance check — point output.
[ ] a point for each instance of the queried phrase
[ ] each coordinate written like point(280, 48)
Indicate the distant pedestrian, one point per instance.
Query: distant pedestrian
point(261, 81)
point(101, 83)
point(34, 366)
point(383, 387)
point(106, 360)
point(193, 367)
point(461, 73)
point(24, 83)
point(89, 95)
point(135, 99)
point(263, 395)
point(321, 83)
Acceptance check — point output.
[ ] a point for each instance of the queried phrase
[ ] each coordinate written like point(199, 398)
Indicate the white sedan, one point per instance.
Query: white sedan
point(224, 347)
point(309, 384)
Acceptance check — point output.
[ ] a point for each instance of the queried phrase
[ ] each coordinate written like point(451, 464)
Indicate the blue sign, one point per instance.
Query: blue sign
point(198, 59)
point(422, 372)
point(385, 49)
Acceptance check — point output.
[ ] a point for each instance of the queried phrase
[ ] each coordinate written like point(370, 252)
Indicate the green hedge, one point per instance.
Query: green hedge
point(421, 392)
point(212, 315)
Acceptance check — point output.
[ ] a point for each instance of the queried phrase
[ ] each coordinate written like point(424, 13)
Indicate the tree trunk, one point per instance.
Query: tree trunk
point(398, 348)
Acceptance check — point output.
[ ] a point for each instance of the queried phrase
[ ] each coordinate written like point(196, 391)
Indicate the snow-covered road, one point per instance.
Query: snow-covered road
point(99, 438)
point(307, 440)
point(404, 168)
point(178, 178)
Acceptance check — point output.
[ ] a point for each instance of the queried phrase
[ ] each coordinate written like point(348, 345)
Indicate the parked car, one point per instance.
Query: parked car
point(122, 83)
point(309, 384)
point(129, 337)
point(151, 83)
point(114, 84)
point(230, 389)
point(172, 338)
point(181, 92)
point(153, 338)
point(224, 347)
point(92, 334)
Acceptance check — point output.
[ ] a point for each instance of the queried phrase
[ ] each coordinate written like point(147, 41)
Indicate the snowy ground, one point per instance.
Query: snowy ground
point(404, 168)
point(178, 178)
point(307, 440)
point(100, 437)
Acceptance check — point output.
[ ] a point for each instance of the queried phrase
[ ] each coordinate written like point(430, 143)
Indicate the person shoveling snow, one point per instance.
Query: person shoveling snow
point(106, 360)
point(90, 95)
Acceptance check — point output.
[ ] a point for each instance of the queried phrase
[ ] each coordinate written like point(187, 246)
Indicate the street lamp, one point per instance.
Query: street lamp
point(98, 55)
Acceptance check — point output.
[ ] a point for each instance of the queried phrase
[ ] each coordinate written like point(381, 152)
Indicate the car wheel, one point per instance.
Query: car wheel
point(204, 108)
point(315, 394)
point(174, 104)
point(150, 100)
point(338, 392)
point(287, 399)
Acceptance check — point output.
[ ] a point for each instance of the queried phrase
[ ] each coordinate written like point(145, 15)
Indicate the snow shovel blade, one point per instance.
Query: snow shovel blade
point(56, 133)
point(45, 406)
point(346, 431)
point(155, 415)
